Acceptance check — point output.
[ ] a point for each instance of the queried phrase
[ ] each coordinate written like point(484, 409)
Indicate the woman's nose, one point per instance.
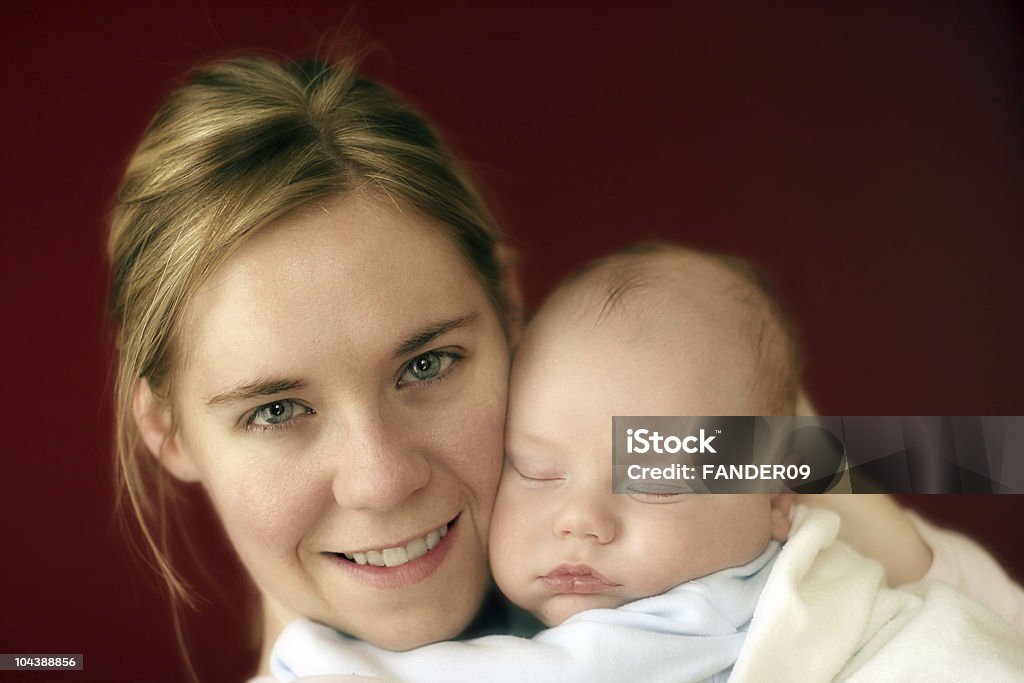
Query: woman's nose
point(584, 518)
point(377, 470)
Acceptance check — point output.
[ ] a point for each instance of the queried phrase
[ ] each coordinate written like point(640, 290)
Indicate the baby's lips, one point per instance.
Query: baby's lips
point(576, 578)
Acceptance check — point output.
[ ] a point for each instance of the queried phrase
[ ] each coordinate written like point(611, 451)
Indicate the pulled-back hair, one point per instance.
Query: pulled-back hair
point(242, 143)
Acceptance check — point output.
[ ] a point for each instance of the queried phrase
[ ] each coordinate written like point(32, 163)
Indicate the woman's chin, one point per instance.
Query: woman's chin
point(409, 638)
point(401, 632)
point(430, 599)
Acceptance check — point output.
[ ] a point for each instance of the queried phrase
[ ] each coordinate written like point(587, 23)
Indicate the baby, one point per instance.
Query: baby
point(659, 586)
point(652, 331)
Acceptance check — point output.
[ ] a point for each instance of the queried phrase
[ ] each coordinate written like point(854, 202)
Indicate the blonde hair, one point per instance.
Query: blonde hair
point(240, 144)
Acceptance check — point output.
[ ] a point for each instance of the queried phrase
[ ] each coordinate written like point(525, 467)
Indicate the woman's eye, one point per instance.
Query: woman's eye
point(428, 366)
point(275, 414)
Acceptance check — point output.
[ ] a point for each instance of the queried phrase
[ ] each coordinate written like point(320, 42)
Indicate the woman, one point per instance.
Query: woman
point(312, 325)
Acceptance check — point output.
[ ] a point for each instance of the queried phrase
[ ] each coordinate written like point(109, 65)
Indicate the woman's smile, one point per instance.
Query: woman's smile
point(402, 565)
point(400, 553)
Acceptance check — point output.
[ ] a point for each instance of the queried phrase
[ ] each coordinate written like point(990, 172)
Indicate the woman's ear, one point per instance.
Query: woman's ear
point(155, 423)
point(780, 503)
point(511, 292)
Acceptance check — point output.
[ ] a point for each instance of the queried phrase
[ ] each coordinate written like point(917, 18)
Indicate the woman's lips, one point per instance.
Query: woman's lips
point(576, 578)
point(398, 555)
point(396, 569)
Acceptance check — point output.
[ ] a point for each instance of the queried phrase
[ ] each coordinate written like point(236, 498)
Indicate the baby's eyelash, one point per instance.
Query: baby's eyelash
point(534, 480)
point(668, 496)
point(656, 496)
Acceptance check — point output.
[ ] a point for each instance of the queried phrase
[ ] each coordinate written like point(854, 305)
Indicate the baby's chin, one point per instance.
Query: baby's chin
point(559, 608)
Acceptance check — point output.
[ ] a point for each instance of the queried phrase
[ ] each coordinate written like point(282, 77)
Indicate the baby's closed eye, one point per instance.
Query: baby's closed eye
point(531, 470)
point(659, 493)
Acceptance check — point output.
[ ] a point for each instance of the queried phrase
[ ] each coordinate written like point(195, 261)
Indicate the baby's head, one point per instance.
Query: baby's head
point(657, 330)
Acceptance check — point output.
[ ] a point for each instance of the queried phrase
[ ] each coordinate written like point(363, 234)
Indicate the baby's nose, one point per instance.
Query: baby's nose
point(585, 519)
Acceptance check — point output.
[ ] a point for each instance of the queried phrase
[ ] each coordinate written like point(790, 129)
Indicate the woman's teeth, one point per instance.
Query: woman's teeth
point(393, 557)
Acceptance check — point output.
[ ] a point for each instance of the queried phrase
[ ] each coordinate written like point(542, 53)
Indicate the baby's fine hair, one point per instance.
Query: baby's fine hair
point(639, 280)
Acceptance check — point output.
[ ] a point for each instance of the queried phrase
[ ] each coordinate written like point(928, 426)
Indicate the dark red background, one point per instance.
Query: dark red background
point(869, 157)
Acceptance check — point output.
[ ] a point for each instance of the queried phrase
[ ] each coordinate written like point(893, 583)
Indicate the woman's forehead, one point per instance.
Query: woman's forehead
point(340, 235)
point(355, 277)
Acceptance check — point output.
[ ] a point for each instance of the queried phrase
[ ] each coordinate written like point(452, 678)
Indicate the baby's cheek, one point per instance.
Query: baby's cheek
point(502, 530)
point(516, 535)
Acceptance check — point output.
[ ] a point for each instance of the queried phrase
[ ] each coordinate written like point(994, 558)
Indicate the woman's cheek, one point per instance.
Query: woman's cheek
point(471, 446)
point(478, 421)
point(269, 510)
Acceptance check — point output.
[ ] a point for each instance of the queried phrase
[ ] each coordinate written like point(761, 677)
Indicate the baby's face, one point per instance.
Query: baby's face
point(561, 542)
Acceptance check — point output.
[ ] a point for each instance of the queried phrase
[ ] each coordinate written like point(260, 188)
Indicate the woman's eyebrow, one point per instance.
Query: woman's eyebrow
point(257, 388)
point(421, 338)
point(261, 387)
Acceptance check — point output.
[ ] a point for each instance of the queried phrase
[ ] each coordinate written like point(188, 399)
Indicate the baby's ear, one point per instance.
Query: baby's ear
point(155, 423)
point(804, 407)
point(780, 503)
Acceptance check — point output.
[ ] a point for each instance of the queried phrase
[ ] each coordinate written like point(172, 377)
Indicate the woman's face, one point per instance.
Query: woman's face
point(341, 397)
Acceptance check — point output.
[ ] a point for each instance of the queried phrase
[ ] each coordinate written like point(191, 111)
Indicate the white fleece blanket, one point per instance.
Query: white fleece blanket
point(825, 614)
point(693, 632)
